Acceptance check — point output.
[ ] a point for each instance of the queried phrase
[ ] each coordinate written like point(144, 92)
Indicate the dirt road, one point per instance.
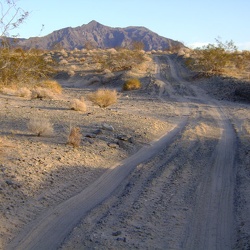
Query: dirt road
point(177, 193)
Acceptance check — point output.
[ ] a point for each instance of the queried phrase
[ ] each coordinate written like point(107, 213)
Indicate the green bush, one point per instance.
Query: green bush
point(19, 67)
point(213, 58)
point(132, 84)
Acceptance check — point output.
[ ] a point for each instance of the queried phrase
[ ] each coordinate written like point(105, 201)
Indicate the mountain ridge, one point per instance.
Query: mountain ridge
point(97, 35)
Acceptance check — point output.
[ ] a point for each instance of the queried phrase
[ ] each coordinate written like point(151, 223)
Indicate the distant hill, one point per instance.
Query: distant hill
point(100, 36)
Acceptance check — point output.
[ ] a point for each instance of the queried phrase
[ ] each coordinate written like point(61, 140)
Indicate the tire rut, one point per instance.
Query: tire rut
point(50, 230)
point(186, 191)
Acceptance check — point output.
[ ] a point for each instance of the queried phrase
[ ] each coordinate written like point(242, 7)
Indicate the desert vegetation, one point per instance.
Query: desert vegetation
point(74, 137)
point(132, 84)
point(219, 58)
point(40, 126)
point(19, 67)
point(78, 105)
point(103, 97)
point(60, 152)
point(52, 85)
point(22, 68)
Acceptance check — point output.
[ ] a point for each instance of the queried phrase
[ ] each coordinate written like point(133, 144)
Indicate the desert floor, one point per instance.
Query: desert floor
point(166, 167)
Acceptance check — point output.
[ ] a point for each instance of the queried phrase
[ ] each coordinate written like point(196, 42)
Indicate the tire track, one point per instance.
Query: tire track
point(50, 230)
point(211, 226)
point(151, 206)
point(176, 184)
point(159, 205)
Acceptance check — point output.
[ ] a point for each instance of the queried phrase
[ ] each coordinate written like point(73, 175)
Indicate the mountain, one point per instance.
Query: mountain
point(100, 36)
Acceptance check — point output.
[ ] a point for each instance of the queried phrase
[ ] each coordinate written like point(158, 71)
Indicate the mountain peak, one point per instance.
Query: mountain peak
point(101, 36)
point(93, 23)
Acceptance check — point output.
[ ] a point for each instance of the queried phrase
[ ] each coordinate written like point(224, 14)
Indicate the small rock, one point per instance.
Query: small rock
point(97, 132)
point(107, 127)
point(122, 239)
point(90, 135)
point(131, 140)
point(117, 233)
point(113, 145)
point(9, 182)
point(89, 140)
point(123, 137)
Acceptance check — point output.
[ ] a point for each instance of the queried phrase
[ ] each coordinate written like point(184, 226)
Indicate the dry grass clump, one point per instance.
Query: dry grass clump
point(21, 92)
point(24, 92)
point(63, 62)
point(47, 89)
point(132, 84)
point(8, 90)
point(103, 97)
point(52, 85)
point(42, 93)
point(40, 126)
point(75, 137)
point(78, 105)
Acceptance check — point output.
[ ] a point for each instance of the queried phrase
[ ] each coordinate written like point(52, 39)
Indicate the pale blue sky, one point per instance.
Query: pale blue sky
point(189, 21)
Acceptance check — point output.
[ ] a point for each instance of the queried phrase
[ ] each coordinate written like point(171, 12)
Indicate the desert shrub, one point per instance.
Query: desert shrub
point(103, 97)
point(63, 62)
point(78, 105)
point(18, 66)
point(119, 60)
point(13, 90)
point(64, 53)
point(8, 90)
point(132, 84)
point(73, 67)
point(71, 72)
point(52, 85)
point(42, 93)
point(74, 137)
point(137, 45)
point(24, 92)
point(40, 126)
point(213, 58)
point(23, 67)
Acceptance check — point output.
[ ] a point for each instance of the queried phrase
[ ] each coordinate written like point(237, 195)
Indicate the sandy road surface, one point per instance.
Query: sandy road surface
point(178, 196)
point(182, 198)
point(49, 231)
point(211, 225)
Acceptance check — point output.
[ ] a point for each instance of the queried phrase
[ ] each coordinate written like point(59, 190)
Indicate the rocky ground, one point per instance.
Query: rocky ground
point(155, 207)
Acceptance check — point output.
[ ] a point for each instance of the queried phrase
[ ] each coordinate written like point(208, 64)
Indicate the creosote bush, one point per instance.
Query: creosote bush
point(78, 105)
point(132, 84)
point(122, 59)
point(40, 126)
point(74, 137)
point(19, 67)
point(217, 58)
point(103, 97)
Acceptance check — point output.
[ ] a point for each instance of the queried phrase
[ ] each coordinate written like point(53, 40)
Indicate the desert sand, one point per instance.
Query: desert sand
point(120, 189)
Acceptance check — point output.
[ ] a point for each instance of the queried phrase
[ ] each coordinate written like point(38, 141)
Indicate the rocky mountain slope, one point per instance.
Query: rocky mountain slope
point(97, 35)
